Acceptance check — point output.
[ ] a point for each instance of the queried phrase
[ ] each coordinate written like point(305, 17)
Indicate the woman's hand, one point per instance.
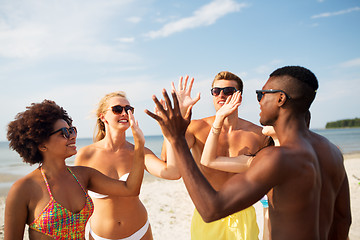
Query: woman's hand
point(184, 94)
point(231, 105)
point(136, 131)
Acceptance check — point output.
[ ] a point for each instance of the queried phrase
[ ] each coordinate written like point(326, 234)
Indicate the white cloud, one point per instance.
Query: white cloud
point(126, 40)
point(205, 16)
point(331, 14)
point(134, 19)
point(37, 29)
point(352, 63)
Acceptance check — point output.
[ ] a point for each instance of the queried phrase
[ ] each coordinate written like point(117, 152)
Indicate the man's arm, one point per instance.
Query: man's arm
point(209, 156)
point(342, 213)
point(240, 192)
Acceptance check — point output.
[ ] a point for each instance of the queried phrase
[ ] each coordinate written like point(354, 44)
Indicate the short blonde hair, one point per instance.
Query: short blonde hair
point(226, 75)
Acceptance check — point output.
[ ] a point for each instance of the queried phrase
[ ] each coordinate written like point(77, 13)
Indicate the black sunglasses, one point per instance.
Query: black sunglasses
point(261, 93)
point(226, 90)
point(66, 132)
point(117, 109)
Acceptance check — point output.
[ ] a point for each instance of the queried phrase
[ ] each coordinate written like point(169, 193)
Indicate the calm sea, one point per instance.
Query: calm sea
point(348, 140)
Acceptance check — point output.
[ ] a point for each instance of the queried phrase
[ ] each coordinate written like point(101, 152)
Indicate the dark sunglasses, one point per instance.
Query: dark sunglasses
point(226, 90)
point(117, 109)
point(66, 132)
point(261, 93)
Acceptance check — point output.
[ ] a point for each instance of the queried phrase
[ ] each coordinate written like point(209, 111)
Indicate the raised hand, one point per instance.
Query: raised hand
point(231, 105)
point(184, 94)
point(170, 119)
point(136, 131)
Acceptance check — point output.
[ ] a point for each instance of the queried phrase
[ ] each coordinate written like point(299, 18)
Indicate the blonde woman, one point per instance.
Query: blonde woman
point(118, 217)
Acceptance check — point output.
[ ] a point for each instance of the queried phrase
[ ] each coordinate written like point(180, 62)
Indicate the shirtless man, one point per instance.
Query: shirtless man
point(237, 137)
point(305, 177)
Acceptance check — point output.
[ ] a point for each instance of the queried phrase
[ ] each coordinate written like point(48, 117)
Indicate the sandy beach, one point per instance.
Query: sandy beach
point(170, 207)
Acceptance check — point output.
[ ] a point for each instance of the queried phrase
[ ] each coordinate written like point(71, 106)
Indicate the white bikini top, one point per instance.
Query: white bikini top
point(98, 195)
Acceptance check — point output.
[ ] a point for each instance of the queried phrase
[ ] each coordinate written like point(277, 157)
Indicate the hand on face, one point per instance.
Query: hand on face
point(231, 105)
point(172, 123)
point(184, 94)
point(136, 131)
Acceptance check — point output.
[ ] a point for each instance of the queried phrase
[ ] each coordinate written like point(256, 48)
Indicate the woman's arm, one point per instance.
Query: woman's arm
point(16, 211)
point(209, 157)
point(165, 169)
point(102, 184)
point(228, 164)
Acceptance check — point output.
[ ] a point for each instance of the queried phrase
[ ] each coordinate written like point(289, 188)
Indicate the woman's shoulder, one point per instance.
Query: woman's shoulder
point(27, 184)
point(85, 153)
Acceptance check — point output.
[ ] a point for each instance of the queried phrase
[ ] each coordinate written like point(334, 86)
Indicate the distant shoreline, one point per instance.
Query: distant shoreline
point(339, 128)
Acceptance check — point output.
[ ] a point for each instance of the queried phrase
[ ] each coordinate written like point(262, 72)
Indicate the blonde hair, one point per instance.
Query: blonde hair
point(226, 75)
point(100, 132)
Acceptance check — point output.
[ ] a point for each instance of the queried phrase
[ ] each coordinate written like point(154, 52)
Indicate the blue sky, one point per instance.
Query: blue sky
point(74, 52)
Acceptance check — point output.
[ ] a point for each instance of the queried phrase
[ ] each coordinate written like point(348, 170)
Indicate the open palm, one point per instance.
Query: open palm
point(184, 94)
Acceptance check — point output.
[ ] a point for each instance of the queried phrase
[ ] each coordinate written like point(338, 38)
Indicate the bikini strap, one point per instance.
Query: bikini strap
point(46, 182)
point(77, 180)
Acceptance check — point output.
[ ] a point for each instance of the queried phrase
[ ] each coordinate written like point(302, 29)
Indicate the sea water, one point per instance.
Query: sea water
point(348, 140)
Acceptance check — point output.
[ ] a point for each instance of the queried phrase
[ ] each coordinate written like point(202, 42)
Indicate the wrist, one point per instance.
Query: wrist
point(215, 130)
point(174, 140)
point(218, 123)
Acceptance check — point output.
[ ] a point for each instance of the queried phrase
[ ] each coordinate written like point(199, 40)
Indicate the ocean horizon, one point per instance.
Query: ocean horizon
point(12, 166)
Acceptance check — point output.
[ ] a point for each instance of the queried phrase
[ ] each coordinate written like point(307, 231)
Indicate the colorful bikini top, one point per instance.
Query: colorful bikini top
point(98, 195)
point(60, 223)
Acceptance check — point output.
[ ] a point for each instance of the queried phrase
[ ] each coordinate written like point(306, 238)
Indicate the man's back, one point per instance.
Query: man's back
point(294, 171)
point(313, 167)
point(334, 207)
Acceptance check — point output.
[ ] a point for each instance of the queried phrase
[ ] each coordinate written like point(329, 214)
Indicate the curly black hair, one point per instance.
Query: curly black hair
point(33, 127)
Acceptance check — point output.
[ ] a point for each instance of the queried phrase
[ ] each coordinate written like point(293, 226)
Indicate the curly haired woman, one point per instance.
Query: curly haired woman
point(53, 199)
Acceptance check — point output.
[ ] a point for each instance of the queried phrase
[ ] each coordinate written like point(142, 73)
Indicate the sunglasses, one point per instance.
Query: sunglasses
point(117, 109)
point(261, 93)
point(66, 132)
point(226, 90)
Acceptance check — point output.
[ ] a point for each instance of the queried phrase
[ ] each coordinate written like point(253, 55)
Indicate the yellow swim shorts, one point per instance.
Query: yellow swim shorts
point(241, 225)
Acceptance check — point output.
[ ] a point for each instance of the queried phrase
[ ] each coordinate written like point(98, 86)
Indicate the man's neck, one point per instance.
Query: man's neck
point(289, 127)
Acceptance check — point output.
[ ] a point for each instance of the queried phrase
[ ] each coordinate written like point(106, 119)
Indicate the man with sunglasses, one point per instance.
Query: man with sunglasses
point(237, 136)
point(304, 178)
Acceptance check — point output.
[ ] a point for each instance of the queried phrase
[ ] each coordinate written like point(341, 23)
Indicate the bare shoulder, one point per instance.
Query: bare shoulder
point(82, 173)
point(321, 143)
point(281, 160)
point(26, 186)
point(250, 126)
point(268, 166)
point(85, 154)
point(198, 124)
point(270, 157)
point(329, 155)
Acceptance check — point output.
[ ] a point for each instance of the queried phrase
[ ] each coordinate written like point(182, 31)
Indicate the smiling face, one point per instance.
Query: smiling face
point(221, 98)
point(58, 145)
point(116, 121)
